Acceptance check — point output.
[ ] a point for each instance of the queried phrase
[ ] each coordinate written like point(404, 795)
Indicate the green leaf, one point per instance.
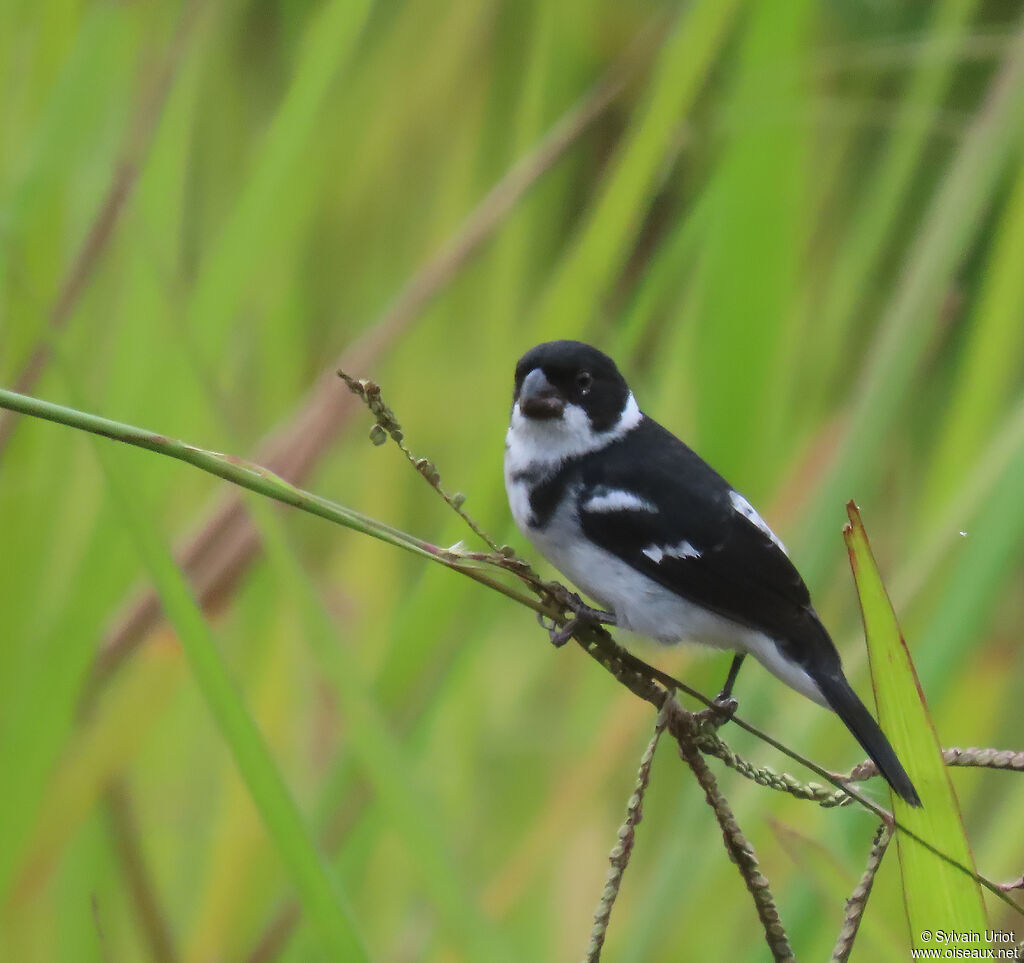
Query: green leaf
point(938, 894)
point(684, 62)
point(946, 231)
point(318, 891)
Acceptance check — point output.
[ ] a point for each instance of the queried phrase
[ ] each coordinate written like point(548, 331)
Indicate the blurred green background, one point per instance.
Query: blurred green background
point(799, 228)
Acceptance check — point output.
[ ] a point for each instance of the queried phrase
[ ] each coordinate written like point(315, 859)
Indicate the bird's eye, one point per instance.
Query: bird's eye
point(584, 380)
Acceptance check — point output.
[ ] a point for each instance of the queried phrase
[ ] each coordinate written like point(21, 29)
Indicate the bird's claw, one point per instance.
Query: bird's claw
point(562, 596)
point(725, 705)
point(558, 635)
point(582, 614)
point(721, 710)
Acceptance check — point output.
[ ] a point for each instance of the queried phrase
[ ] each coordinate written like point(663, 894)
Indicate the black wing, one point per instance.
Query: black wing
point(723, 560)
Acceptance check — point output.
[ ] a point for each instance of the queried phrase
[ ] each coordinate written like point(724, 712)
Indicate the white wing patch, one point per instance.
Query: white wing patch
point(683, 550)
point(744, 508)
point(617, 500)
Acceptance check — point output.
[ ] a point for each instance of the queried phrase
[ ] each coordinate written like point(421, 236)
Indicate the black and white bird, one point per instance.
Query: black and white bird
point(647, 529)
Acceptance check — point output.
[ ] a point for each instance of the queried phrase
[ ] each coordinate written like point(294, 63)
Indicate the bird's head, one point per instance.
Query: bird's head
point(569, 399)
point(556, 376)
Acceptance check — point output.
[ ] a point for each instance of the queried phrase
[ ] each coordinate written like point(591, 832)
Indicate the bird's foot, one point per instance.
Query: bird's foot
point(559, 636)
point(724, 699)
point(582, 615)
point(723, 707)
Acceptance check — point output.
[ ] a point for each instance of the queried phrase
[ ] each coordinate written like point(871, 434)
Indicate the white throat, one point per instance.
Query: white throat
point(533, 444)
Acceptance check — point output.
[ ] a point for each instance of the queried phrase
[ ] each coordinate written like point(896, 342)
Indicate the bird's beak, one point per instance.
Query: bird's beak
point(539, 398)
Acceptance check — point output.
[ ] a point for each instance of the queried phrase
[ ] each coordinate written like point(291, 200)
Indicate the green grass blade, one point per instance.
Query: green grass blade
point(235, 470)
point(122, 721)
point(946, 231)
point(889, 189)
point(328, 42)
point(758, 199)
point(936, 893)
point(982, 568)
point(991, 361)
point(319, 892)
point(416, 816)
point(39, 707)
point(587, 272)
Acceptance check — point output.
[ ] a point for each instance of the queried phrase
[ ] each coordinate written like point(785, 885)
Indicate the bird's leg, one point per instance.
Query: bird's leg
point(723, 706)
point(724, 699)
point(582, 614)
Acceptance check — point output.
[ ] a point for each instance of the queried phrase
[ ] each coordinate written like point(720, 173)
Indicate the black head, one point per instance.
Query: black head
point(559, 373)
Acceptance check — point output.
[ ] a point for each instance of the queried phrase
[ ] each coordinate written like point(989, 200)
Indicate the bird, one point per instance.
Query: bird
point(646, 528)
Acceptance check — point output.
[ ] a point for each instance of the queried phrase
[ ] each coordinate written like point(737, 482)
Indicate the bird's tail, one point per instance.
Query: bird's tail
point(847, 705)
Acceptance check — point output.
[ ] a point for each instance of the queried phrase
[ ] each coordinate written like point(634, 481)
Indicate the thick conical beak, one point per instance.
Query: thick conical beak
point(539, 398)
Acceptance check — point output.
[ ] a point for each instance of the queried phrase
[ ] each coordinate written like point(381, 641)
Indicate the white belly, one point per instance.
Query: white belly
point(639, 603)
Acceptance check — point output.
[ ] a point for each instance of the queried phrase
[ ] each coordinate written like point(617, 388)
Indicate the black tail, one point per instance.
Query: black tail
point(847, 705)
